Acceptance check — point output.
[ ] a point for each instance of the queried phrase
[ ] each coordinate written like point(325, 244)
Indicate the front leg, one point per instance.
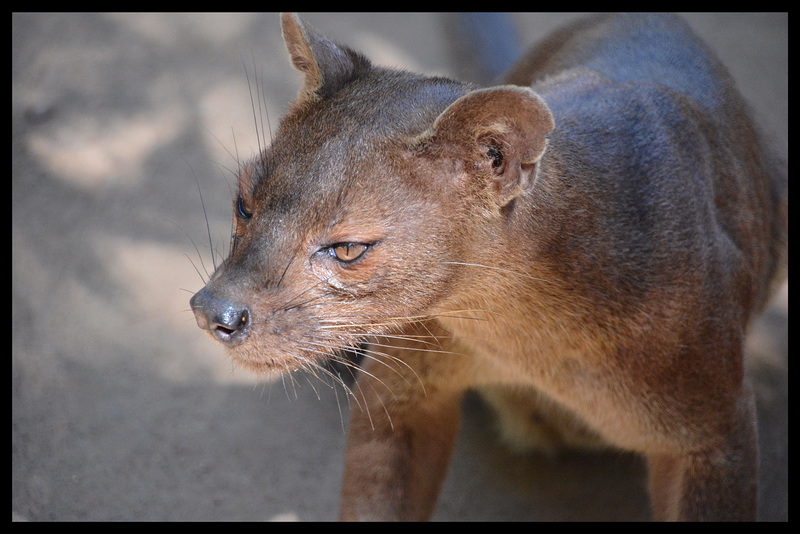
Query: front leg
point(402, 434)
point(713, 484)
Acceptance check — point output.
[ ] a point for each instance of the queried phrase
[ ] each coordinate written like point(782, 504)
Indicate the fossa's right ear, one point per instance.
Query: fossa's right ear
point(500, 134)
point(326, 65)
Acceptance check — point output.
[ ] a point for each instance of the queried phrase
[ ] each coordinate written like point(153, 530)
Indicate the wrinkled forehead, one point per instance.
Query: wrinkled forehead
point(304, 172)
point(300, 189)
point(327, 152)
point(380, 106)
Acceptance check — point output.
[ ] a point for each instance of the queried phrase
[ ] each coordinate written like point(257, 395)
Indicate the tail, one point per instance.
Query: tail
point(482, 45)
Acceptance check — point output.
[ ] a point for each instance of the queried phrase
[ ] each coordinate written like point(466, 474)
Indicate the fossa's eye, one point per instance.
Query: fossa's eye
point(348, 252)
point(241, 210)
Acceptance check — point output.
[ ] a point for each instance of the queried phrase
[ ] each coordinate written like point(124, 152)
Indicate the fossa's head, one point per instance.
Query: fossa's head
point(357, 217)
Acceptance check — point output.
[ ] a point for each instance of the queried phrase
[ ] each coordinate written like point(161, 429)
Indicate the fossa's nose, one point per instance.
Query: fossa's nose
point(226, 321)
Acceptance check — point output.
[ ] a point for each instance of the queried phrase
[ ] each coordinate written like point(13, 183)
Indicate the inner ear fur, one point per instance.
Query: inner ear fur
point(502, 130)
point(326, 65)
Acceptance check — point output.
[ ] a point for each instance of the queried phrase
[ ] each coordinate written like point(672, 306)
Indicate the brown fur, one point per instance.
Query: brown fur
point(604, 237)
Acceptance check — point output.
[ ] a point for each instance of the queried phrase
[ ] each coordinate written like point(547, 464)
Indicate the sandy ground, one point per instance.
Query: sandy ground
point(122, 409)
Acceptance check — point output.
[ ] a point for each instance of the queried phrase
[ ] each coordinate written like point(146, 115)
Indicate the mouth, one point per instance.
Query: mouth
point(271, 342)
point(272, 361)
point(271, 356)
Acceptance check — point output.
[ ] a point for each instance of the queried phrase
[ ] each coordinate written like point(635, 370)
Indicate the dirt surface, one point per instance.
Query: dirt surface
point(122, 409)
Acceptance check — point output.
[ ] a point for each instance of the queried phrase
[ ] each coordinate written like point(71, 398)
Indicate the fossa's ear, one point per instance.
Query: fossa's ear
point(501, 132)
point(326, 65)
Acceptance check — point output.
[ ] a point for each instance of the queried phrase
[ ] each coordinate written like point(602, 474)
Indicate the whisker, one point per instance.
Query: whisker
point(288, 304)
point(195, 266)
point(325, 352)
point(308, 364)
point(501, 269)
point(236, 152)
point(253, 106)
point(406, 337)
point(288, 374)
point(266, 110)
point(208, 226)
point(261, 99)
point(316, 392)
point(192, 241)
point(377, 356)
point(225, 148)
point(284, 272)
point(315, 367)
point(403, 319)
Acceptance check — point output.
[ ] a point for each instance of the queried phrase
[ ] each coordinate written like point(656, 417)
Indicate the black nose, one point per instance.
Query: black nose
point(227, 321)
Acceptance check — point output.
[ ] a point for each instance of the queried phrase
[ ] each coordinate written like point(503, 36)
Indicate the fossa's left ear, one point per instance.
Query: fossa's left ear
point(326, 65)
point(502, 131)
